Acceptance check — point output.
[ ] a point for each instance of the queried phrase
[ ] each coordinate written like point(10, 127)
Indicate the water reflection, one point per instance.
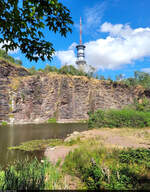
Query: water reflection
point(14, 135)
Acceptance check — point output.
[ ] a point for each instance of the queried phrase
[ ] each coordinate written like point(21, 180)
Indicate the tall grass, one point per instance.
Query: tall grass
point(110, 169)
point(34, 175)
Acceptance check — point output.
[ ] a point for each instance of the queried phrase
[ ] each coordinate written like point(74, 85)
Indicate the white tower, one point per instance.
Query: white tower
point(80, 52)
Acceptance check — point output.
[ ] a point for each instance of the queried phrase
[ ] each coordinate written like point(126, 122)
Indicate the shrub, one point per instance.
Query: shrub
point(4, 123)
point(96, 119)
point(4, 55)
point(2, 177)
point(140, 156)
point(143, 106)
point(109, 169)
point(52, 120)
point(119, 118)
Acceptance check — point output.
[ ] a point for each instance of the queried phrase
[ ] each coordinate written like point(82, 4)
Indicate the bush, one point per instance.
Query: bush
point(4, 123)
point(140, 78)
point(2, 178)
point(4, 55)
point(52, 120)
point(119, 118)
point(143, 106)
point(140, 156)
point(109, 169)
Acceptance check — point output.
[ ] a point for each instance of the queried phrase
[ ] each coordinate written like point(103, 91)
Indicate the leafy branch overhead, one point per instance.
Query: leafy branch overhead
point(22, 22)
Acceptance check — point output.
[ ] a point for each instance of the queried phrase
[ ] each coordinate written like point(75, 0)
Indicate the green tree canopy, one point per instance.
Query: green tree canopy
point(21, 25)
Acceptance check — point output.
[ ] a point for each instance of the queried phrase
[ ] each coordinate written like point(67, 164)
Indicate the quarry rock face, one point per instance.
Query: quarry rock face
point(8, 69)
point(30, 99)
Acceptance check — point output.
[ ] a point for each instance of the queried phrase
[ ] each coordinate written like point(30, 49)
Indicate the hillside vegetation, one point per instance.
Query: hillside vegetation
point(94, 164)
point(7, 57)
point(67, 69)
point(100, 161)
point(139, 78)
point(135, 115)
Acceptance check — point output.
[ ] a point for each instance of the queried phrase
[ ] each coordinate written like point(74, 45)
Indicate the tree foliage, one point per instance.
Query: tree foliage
point(140, 78)
point(7, 57)
point(66, 69)
point(22, 22)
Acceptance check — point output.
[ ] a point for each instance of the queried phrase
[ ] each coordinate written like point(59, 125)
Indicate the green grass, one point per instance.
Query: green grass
point(96, 166)
point(4, 123)
point(110, 169)
point(73, 141)
point(37, 144)
point(34, 175)
point(52, 120)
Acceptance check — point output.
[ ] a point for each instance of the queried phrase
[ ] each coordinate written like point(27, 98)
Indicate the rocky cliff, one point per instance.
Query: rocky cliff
point(27, 99)
point(7, 71)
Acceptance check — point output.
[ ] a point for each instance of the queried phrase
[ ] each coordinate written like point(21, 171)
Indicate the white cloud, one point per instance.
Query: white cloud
point(122, 46)
point(67, 57)
point(116, 30)
point(73, 46)
point(93, 16)
point(146, 70)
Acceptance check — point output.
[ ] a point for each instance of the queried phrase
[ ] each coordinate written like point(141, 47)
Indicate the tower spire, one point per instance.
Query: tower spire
point(80, 31)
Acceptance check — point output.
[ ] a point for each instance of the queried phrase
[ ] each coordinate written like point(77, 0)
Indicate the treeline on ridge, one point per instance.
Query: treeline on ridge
point(66, 69)
point(7, 57)
point(139, 78)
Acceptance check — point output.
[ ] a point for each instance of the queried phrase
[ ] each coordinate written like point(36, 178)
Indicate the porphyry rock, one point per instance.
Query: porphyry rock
point(8, 69)
point(37, 98)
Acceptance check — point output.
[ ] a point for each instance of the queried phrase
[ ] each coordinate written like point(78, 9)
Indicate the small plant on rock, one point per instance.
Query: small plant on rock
point(4, 123)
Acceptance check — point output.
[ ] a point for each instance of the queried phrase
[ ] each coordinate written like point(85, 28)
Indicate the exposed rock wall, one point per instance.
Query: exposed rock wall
point(4, 99)
point(28, 99)
point(7, 70)
point(38, 98)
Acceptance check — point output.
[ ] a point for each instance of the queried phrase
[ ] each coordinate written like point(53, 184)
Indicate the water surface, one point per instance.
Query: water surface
point(16, 134)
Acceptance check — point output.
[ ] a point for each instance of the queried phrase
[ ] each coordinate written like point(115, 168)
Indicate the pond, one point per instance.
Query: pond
point(16, 134)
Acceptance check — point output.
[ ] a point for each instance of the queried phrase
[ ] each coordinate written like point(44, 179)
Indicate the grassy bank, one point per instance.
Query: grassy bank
point(100, 161)
point(119, 118)
point(95, 165)
point(108, 168)
point(37, 144)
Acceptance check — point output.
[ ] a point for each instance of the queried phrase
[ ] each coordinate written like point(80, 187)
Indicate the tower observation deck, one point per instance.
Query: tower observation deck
point(81, 63)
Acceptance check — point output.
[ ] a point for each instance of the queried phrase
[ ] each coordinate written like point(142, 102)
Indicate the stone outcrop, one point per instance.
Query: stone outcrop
point(4, 99)
point(28, 99)
point(66, 98)
point(9, 69)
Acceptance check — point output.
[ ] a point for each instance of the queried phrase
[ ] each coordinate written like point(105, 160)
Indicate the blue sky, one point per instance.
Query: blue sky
point(116, 34)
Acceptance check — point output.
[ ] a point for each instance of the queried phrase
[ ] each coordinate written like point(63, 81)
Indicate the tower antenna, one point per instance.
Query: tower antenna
point(80, 31)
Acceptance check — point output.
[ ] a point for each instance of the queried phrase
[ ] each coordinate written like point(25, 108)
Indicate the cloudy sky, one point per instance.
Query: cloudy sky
point(116, 34)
